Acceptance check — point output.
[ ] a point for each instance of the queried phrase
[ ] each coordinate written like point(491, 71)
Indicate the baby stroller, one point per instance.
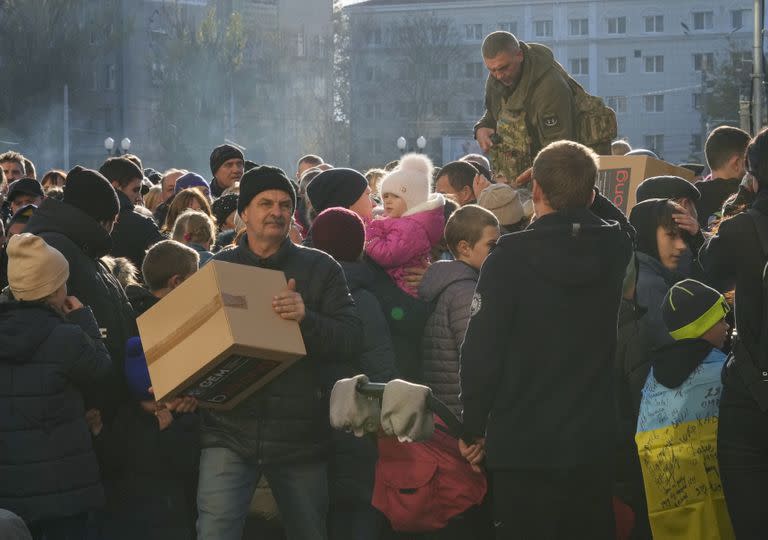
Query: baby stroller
point(421, 486)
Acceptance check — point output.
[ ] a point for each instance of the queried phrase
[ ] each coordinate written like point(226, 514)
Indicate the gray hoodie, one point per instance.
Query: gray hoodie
point(449, 285)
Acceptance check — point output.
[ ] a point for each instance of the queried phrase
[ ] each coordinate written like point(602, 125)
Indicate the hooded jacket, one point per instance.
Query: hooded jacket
point(287, 421)
point(133, 233)
point(405, 242)
point(450, 285)
point(83, 241)
point(542, 92)
point(47, 465)
point(537, 360)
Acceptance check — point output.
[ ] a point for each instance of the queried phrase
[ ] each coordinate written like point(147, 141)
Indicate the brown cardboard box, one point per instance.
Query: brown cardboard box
point(217, 337)
point(619, 176)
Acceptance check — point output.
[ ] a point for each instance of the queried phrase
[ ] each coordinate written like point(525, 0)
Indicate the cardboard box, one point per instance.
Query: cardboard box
point(619, 177)
point(216, 337)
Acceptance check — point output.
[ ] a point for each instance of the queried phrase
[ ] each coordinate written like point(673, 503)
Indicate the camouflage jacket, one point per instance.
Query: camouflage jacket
point(542, 103)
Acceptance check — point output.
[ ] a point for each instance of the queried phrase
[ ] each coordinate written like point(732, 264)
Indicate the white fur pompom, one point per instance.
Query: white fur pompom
point(416, 163)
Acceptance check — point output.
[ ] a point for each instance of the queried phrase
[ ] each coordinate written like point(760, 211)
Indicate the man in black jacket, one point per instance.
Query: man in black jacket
point(735, 257)
point(281, 431)
point(79, 227)
point(133, 233)
point(536, 364)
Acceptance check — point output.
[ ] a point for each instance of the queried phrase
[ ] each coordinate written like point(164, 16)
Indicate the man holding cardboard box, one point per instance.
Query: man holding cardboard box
point(282, 430)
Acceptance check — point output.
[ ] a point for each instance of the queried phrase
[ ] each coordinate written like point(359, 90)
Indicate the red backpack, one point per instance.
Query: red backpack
point(421, 486)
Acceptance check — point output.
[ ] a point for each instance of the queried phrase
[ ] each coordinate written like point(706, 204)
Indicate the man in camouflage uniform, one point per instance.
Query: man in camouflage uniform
point(530, 101)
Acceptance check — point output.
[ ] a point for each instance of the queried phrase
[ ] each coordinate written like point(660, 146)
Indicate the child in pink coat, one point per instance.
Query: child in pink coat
point(413, 220)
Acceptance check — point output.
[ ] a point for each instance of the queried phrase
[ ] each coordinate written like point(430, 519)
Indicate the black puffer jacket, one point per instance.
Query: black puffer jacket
point(133, 233)
point(287, 421)
point(47, 465)
point(83, 241)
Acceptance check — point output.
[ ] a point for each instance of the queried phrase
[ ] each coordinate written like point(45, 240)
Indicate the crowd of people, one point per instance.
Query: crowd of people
point(606, 386)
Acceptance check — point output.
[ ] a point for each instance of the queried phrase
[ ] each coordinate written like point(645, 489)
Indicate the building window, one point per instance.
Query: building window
point(703, 61)
point(438, 71)
point(739, 17)
point(655, 143)
point(617, 103)
point(697, 100)
point(579, 27)
point(617, 25)
point(373, 38)
point(475, 108)
point(95, 80)
point(653, 103)
point(580, 66)
point(696, 142)
point(108, 122)
point(473, 32)
point(542, 28)
point(617, 65)
point(703, 20)
point(111, 83)
point(407, 109)
point(741, 59)
point(654, 64)
point(372, 146)
point(654, 23)
point(473, 70)
point(372, 111)
point(440, 109)
point(510, 27)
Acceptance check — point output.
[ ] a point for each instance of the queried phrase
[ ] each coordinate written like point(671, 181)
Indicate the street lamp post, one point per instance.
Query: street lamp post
point(421, 143)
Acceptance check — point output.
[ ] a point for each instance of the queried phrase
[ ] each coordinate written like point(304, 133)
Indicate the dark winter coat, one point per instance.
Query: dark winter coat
point(352, 466)
point(377, 356)
point(141, 299)
point(83, 241)
point(48, 468)
point(537, 360)
point(734, 258)
point(653, 282)
point(713, 194)
point(150, 476)
point(449, 286)
point(133, 233)
point(287, 421)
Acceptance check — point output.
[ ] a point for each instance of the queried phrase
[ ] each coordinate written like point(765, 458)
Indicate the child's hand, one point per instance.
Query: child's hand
point(71, 303)
point(474, 453)
point(93, 419)
point(181, 405)
point(164, 417)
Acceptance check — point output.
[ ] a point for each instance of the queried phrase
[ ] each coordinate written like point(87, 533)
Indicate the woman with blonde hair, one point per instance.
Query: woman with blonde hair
point(188, 198)
point(153, 198)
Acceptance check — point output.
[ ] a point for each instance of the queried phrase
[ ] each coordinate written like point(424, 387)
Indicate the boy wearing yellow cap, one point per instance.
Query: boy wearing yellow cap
point(677, 426)
point(50, 351)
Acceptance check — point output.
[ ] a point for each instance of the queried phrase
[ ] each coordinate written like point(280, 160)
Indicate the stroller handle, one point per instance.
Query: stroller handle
point(455, 427)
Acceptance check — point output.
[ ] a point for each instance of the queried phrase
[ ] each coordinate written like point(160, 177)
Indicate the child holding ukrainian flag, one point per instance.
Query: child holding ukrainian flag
point(677, 426)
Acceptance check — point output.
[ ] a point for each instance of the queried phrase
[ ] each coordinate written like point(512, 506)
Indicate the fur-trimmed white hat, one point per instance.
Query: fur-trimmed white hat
point(411, 180)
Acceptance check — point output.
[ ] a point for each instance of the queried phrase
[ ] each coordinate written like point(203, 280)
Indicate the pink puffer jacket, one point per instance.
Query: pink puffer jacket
point(405, 242)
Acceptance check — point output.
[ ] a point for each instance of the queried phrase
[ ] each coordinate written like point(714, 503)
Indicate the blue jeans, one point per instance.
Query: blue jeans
point(227, 484)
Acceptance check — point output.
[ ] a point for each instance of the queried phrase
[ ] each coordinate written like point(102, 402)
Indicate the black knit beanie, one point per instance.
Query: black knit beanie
point(92, 193)
point(666, 187)
point(223, 207)
point(336, 187)
point(644, 217)
point(223, 153)
point(261, 179)
point(691, 308)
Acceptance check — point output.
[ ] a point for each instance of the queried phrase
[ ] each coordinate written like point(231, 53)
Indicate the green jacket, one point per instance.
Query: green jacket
point(543, 94)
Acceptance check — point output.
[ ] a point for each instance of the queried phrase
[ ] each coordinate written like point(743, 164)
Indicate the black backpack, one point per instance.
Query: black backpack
point(754, 371)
